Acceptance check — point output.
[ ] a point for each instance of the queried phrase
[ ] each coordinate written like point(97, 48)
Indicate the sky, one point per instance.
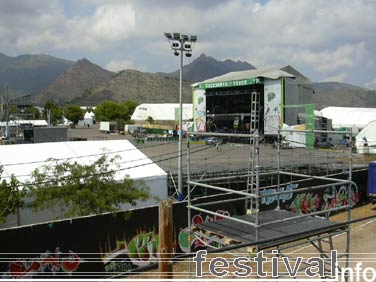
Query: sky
point(326, 40)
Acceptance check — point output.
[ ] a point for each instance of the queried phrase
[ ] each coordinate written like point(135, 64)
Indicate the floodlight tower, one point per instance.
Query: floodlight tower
point(180, 44)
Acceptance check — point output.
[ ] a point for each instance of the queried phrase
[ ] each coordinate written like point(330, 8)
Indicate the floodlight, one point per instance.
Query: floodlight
point(188, 55)
point(176, 36)
point(184, 37)
point(176, 53)
point(193, 38)
point(175, 45)
point(187, 46)
point(168, 35)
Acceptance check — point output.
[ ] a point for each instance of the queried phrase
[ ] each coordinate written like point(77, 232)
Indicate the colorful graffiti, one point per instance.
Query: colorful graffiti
point(139, 251)
point(202, 239)
point(142, 249)
point(305, 203)
point(268, 200)
point(47, 263)
point(333, 197)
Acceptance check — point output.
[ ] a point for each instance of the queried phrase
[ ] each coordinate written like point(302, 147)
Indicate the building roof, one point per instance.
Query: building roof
point(164, 111)
point(349, 117)
point(20, 160)
point(272, 73)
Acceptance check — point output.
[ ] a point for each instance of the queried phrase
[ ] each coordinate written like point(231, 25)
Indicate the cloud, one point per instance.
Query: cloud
point(119, 65)
point(371, 84)
point(323, 38)
point(111, 22)
point(341, 77)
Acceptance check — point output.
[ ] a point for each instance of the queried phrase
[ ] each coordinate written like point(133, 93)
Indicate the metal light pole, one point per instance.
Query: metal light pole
point(5, 101)
point(181, 43)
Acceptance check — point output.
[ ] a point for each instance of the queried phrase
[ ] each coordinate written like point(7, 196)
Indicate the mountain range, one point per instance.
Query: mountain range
point(73, 82)
point(85, 83)
point(30, 74)
point(205, 67)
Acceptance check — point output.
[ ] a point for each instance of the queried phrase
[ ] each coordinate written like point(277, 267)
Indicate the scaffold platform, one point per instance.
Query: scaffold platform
point(286, 230)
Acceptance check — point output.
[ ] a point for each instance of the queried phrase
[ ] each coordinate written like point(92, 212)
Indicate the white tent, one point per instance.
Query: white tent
point(365, 141)
point(159, 112)
point(347, 117)
point(88, 118)
point(20, 160)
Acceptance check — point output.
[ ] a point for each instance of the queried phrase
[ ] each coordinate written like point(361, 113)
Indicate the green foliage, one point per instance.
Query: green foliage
point(31, 113)
point(73, 113)
point(11, 197)
point(150, 120)
point(111, 111)
point(119, 112)
point(56, 112)
point(84, 189)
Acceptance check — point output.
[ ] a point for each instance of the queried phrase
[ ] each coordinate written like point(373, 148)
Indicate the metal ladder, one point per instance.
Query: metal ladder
point(254, 126)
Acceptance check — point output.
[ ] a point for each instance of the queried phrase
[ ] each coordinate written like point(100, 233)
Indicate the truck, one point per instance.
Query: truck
point(371, 186)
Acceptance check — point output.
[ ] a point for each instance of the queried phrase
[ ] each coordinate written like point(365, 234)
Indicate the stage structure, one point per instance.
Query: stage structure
point(278, 228)
point(221, 104)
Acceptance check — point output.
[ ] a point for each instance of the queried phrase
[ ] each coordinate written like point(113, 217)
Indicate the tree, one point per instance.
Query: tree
point(73, 113)
point(119, 112)
point(11, 197)
point(84, 189)
point(150, 120)
point(110, 111)
point(55, 111)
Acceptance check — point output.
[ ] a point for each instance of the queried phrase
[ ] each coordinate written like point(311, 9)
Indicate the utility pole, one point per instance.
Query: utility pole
point(165, 239)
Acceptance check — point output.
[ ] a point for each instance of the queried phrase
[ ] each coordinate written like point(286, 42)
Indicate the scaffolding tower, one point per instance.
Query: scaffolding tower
point(277, 228)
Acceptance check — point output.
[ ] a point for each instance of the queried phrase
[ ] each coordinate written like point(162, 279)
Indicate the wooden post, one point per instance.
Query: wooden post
point(165, 239)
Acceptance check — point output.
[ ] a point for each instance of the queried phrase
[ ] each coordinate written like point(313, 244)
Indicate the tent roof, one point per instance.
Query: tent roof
point(37, 122)
point(349, 117)
point(88, 115)
point(164, 111)
point(369, 131)
point(132, 163)
point(272, 73)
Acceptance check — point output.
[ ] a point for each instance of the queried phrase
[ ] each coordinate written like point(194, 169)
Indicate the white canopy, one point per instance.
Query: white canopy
point(165, 111)
point(20, 160)
point(37, 122)
point(348, 117)
point(88, 115)
point(365, 141)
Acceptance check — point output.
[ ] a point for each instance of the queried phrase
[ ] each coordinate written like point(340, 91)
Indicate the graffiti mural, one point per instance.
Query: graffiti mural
point(141, 250)
point(333, 197)
point(268, 200)
point(202, 239)
point(338, 197)
point(48, 262)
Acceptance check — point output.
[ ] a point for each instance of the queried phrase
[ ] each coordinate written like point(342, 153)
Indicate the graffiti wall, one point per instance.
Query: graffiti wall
point(334, 196)
point(100, 245)
point(110, 244)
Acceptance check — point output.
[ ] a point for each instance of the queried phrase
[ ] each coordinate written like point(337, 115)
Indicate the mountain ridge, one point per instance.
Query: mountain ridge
point(29, 74)
point(80, 76)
